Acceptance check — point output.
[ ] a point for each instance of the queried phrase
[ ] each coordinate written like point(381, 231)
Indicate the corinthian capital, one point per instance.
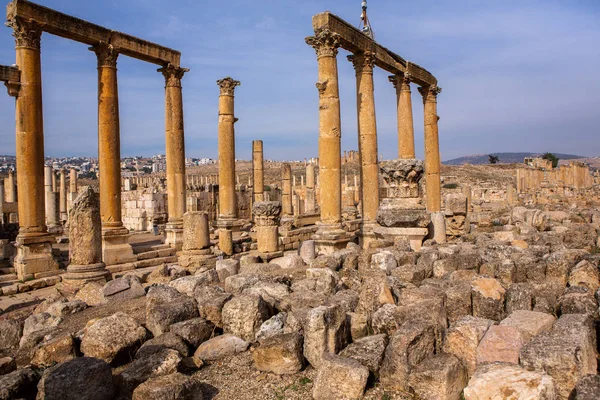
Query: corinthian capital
point(227, 86)
point(363, 62)
point(106, 53)
point(430, 93)
point(400, 81)
point(26, 33)
point(324, 42)
point(173, 75)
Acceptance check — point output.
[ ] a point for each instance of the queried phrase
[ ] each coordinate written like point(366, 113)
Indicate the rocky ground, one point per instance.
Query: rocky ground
point(509, 313)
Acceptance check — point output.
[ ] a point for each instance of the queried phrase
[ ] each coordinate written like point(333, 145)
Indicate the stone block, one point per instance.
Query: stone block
point(340, 378)
point(440, 376)
point(210, 301)
point(500, 343)
point(488, 298)
point(219, 347)
point(368, 351)
point(529, 323)
point(325, 331)
point(243, 315)
point(463, 337)
point(280, 354)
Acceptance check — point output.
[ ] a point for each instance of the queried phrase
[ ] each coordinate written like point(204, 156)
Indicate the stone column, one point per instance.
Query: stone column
point(258, 183)
point(330, 236)
point(73, 181)
point(227, 197)
point(432, 160)
point(286, 190)
point(311, 200)
point(63, 196)
point(406, 133)
point(115, 246)
point(2, 201)
point(52, 211)
point(34, 244)
point(85, 242)
point(266, 218)
point(11, 190)
point(175, 148)
point(367, 132)
point(510, 194)
point(196, 240)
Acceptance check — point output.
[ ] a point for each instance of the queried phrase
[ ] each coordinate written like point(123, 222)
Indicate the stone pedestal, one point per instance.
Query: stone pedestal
point(85, 242)
point(196, 241)
point(34, 256)
point(266, 218)
point(402, 214)
point(115, 246)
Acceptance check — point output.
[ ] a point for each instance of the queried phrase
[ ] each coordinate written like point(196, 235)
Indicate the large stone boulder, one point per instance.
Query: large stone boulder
point(325, 331)
point(368, 351)
point(125, 288)
point(38, 325)
point(243, 315)
point(587, 388)
point(463, 337)
point(507, 381)
point(10, 333)
point(167, 340)
point(529, 323)
point(194, 331)
point(166, 306)
point(441, 376)
point(281, 354)
point(169, 387)
point(500, 343)
point(210, 300)
point(164, 362)
point(19, 384)
point(113, 339)
point(219, 347)
point(80, 378)
point(55, 350)
point(488, 298)
point(340, 378)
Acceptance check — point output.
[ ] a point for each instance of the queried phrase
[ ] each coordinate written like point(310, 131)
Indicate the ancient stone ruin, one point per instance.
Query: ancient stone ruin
point(264, 279)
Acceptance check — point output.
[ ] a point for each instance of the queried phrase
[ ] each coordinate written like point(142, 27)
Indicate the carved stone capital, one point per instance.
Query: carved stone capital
point(13, 88)
point(430, 93)
point(400, 81)
point(402, 177)
point(266, 213)
point(324, 42)
point(173, 75)
point(227, 86)
point(27, 33)
point(363, 62)
point(106, 54)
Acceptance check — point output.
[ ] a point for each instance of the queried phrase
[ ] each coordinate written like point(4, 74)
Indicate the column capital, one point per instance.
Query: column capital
point(227, 86)
point(324, 42)
point(400, 81)
point(27, 33)
point(363, 62)
point(106, 53)
point(13, 88)
point(173, 75)
point(430, 93)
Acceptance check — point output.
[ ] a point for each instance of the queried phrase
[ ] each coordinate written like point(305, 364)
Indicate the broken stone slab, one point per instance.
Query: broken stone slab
point(56, 350)
point(41, 322)
point(166, 306)
point(488, 298)
point(113, 339)
point(188, 284)
point(441, 376)
point(19, 384)
point(587, 388)
point(227, 268)
point(219, 347)
point(325, 331)
point(92, 294)
point(340, 378)
point(167, 340)
point(368, 351)
point(289, 261)
point(272, 293)
point(463, 337)
point(500, 343)
point(280, 354)
point(508, 381)
point(384, 260)
point(272, 327)
point(194, 331)
point(172, 386)
point(125, 288)
point(529, 323)
point(210, 300)
point(10, 333)
point(585, 274)
point(243, 315)
point(164, 362)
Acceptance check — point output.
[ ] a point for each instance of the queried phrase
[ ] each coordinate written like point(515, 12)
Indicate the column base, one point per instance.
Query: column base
point(116, 248)
point(330, 238)
point(266, 257)
point(79, 275)
point(174, 231)
point(234, 225)
point(34, 256)
point(194, 260)
point(415, 236)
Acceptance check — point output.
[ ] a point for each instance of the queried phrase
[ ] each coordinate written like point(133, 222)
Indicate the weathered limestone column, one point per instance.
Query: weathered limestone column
point(286, 190)
point(34, 244)
point(85, 242)
point(228, 215)
point(266, 218)
point(175, 148)
point(2, 201)
point(11, 190)
point(432, 161)
point(367, 132)
point(258, 182)
point(330, 236)
point(510, 194)
point(406, 132)
point(196, 241)
point(52, 211)
point(63, 196)
point(311, 200)
point(73, 180)
point(115, 246)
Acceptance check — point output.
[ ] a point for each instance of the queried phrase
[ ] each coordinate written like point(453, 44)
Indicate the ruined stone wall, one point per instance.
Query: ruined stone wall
point(140, 210)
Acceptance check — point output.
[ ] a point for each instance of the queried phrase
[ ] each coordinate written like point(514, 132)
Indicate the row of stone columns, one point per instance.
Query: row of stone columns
point(326, 45)
point(34, 253)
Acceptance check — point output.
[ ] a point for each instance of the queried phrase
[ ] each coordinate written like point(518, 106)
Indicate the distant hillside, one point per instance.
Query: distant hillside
point(505, 158)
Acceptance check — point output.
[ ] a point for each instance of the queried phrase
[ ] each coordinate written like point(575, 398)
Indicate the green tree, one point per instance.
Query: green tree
point(551, 157)
point(493, 159)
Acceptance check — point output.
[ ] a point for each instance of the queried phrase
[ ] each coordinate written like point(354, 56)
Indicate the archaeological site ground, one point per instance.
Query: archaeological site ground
point(342, 276)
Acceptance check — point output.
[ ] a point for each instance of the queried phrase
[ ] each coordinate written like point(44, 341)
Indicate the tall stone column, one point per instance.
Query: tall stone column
point(367, 133)
point(11, 190)
point(63, 196)
point(54, 182)
point(406, 132)
point(228, 215)
point(432, 161)
point(286, 190)
point(330, 236)
point(34, 244)
point(258, 180)
point(115, 246)
point(2, 201)
point(52, 211)
point(311, 200)
point(72, 180)
point(175, 146)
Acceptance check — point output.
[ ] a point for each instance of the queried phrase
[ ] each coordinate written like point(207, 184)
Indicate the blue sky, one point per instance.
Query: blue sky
point(516, 75)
